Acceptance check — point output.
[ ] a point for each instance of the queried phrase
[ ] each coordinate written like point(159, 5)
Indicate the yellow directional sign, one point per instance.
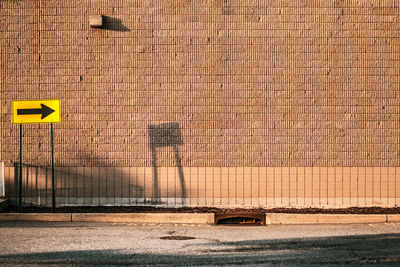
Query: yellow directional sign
point(36, 111)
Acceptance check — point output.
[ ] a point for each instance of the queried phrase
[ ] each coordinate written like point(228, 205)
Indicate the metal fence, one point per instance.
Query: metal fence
point(178, 186)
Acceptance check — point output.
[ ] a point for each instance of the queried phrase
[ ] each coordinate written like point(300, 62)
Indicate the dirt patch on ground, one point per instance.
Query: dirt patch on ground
point(137, 209)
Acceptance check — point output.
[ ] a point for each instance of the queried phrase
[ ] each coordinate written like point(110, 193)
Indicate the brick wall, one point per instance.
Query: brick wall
point(262, 90)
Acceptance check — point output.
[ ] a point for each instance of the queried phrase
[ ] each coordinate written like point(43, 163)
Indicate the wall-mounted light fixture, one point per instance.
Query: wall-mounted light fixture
point(96, 21)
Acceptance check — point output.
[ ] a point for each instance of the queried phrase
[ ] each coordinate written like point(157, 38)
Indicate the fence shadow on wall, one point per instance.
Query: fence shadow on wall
point(166, 135)
point(79, 186)
point(118, 182)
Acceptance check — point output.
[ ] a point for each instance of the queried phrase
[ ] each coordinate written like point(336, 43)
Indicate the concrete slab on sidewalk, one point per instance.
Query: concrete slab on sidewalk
point(284, 218)
point(190, 218)
point(41, 217)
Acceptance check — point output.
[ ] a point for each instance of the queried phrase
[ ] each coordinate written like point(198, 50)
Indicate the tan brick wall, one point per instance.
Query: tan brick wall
point(223, 84)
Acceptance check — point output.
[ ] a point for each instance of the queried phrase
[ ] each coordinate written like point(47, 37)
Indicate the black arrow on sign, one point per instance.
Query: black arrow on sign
point(44, 111)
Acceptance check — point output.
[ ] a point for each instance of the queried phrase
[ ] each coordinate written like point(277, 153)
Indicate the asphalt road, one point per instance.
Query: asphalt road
point(88, 244)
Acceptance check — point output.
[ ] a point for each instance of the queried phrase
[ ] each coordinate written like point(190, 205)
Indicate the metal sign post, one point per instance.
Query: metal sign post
point(53, 191)
point(36, 112)
point(20, 170)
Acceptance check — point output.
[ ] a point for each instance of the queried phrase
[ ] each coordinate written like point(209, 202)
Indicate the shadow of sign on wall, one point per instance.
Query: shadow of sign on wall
point(166, 135)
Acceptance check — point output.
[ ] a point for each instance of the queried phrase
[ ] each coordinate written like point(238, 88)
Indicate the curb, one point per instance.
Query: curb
point(181, 218)
point(199, 218)
point(393, 217)
point(38, 217)
point(283, 218)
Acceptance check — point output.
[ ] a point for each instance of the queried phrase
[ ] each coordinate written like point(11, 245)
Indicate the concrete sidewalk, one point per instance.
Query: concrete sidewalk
point(132, 244)
point(199, 218)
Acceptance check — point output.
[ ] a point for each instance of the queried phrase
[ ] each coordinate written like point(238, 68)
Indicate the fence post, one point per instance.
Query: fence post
point(2, 180)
